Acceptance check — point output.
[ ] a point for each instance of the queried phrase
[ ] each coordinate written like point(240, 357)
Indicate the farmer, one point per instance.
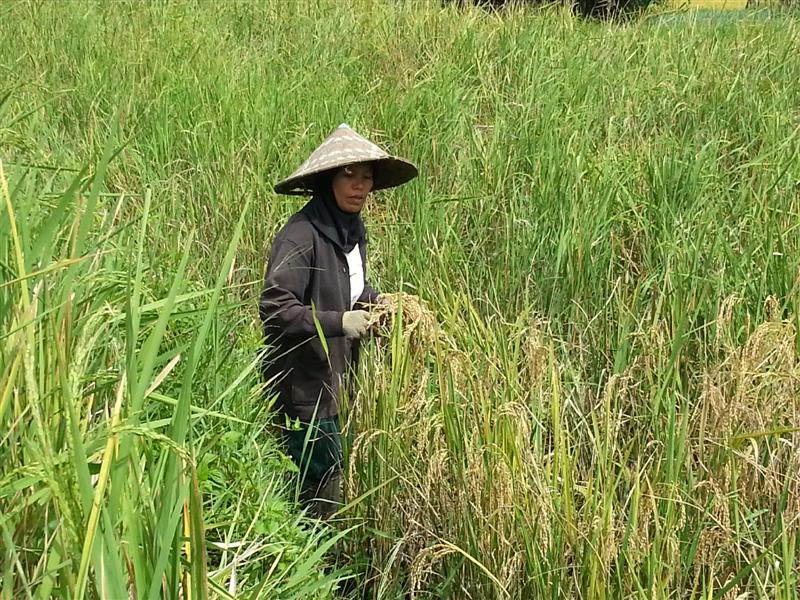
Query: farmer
point(314, 307)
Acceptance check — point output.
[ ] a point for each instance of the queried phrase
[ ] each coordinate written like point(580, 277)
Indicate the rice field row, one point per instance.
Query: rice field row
point(590, 386)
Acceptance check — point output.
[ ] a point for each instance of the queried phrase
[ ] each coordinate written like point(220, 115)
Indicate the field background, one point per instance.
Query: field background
point(602, 402)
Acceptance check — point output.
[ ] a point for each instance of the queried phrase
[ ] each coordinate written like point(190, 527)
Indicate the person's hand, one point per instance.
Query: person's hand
point(355, 323)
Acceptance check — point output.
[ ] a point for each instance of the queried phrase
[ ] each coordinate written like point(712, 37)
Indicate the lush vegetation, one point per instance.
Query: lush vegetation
point(601, 401)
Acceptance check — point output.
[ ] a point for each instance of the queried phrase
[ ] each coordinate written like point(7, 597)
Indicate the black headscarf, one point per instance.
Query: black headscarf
point(343, 229)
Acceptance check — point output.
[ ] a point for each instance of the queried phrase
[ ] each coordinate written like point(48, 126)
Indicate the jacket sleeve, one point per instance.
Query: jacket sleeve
point(281, 305)
point(369, 295)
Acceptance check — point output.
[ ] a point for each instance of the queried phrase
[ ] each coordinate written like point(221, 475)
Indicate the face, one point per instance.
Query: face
point(351, 185)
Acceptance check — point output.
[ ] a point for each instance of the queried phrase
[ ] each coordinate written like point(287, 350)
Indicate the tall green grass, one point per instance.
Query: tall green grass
point(605, 228)
point(101, 491)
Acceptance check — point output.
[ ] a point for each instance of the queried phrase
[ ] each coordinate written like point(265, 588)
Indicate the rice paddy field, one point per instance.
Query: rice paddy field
point(590, 387)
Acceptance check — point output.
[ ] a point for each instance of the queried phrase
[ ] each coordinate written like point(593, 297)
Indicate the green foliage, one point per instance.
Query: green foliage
point(605, 227)
point(588, 8)
point(106, 413)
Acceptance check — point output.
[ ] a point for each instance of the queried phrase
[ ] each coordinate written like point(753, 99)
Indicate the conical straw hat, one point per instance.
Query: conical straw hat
point(345, 147)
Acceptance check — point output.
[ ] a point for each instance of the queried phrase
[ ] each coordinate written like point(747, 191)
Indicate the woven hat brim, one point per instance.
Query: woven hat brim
point(389, 172)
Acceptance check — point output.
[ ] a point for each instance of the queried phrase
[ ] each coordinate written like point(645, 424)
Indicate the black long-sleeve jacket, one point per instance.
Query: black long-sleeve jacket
point(306, 290)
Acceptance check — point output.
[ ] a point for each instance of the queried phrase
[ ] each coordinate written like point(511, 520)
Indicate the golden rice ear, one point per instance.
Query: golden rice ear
point(380, 314)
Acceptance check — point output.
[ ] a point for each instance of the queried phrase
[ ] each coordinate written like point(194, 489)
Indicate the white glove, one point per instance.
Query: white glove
point(355, 323)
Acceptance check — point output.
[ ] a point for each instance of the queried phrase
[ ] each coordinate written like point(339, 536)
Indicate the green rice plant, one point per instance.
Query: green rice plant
point(474, 470)
point(100, 492)
point(605, 234)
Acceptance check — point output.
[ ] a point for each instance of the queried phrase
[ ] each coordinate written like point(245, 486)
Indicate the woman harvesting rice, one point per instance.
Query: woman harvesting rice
point(314, 300)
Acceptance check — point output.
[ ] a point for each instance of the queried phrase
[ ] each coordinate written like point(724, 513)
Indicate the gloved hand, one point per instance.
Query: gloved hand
point(355, 323)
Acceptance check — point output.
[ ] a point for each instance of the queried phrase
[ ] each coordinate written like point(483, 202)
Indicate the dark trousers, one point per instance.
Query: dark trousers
point(316, 448)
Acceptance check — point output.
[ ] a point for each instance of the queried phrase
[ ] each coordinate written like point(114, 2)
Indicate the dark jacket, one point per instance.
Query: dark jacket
point(307, 277)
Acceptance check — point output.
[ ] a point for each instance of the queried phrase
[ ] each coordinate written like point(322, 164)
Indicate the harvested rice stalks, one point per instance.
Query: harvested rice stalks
point(417, 318)
point(420, 327)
